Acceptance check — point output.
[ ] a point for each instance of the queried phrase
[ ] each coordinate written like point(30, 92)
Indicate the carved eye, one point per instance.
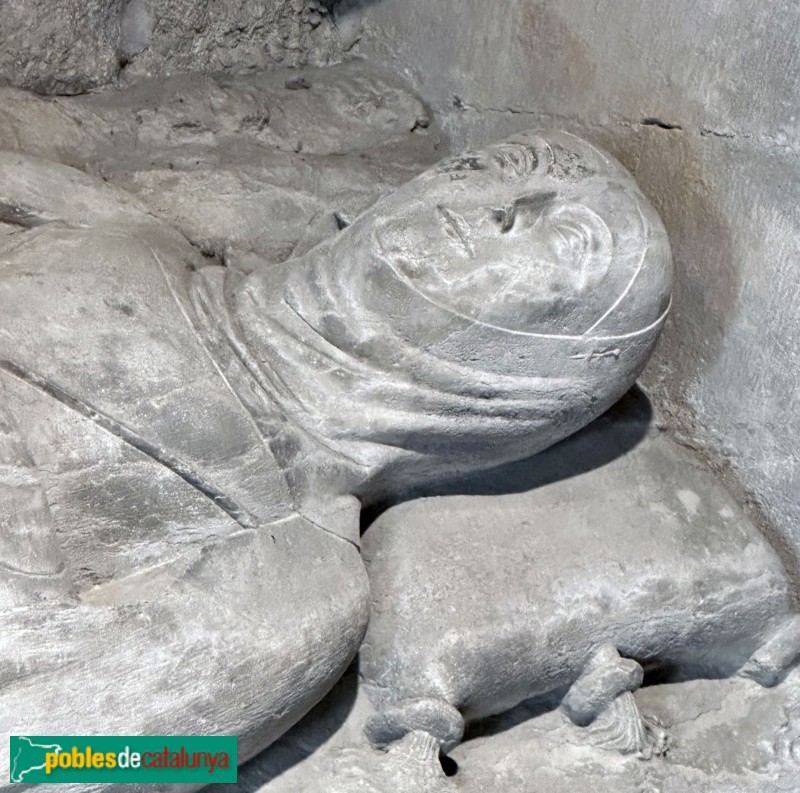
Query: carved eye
point(504, 218)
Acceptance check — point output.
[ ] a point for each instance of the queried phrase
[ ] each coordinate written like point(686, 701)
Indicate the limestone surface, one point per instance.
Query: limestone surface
point(73, 46)
point(699, 102)
point(187, 439)
point(60, 47)
point(574, 590)
point(415, 322)
point(727, 735)
point(182, 430)
point(153, 557)
point(243, 165)
point(153, 548)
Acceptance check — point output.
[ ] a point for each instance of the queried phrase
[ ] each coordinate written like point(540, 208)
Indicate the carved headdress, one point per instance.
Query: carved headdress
point(485, 310)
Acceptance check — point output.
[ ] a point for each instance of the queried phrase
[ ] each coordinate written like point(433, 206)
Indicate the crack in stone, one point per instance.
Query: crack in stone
point(652, 121)
point(765, 139)
point(706, 131)
point(329, 531)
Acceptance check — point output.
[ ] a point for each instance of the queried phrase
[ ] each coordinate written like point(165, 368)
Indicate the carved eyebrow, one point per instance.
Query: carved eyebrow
point(464, 162)
point(456, 226)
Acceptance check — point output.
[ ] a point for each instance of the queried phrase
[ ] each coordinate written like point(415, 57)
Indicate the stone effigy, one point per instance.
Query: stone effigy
point(625, 487)
point(186, 447)
point(154, 559)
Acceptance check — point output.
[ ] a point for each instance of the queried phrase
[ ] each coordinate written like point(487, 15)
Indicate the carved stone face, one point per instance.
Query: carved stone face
point(533, 235)
point(478, 314)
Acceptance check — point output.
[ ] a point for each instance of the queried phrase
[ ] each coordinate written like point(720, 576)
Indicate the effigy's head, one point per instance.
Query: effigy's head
point(541, 233)
point(483, 311)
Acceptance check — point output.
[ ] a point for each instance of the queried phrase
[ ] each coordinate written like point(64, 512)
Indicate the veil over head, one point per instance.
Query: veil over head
point(485, 310)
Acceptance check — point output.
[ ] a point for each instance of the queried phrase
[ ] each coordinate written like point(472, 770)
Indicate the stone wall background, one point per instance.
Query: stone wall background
point(700, 101)
point(71, 46)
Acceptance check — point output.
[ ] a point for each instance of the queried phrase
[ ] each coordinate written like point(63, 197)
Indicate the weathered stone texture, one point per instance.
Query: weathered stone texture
point(186, 35)
point(72, 46)
point(238, 163)
point(59, 46)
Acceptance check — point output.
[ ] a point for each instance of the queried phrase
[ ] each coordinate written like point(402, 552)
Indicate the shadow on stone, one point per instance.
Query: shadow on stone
point(449, 765)
point(615, 433)
point(298, 743)
point(341, 7)
point(525, 711)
